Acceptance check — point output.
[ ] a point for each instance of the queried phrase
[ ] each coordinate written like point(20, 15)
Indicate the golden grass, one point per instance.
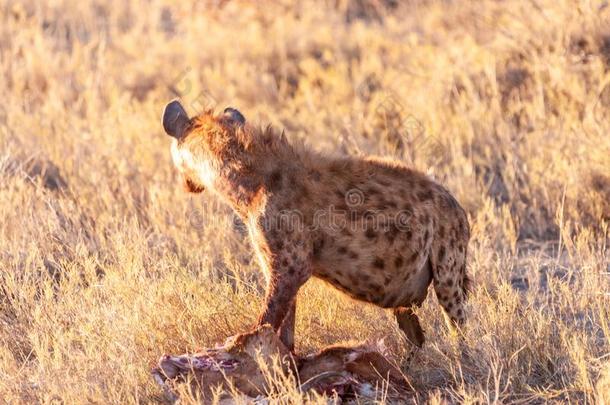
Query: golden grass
point(106, 264)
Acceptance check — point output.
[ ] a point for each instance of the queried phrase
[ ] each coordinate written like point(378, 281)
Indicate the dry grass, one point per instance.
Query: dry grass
point(106, 263)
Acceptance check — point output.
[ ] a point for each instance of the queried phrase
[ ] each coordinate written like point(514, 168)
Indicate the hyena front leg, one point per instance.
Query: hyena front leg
point(281, 293)
point(409, 324)
point(287, 328)
point(289, 270)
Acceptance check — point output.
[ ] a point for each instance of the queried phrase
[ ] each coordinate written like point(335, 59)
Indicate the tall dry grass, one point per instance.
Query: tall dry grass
point(106, 263)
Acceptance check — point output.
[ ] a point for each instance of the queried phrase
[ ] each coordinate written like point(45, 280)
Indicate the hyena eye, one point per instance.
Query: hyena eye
point(191, 187)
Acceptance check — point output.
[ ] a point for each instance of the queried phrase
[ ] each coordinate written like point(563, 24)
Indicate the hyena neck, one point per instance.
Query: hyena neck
point(240, 188)
point(265, 167)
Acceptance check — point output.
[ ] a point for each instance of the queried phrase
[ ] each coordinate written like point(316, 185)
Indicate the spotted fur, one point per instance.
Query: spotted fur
point(373, 228)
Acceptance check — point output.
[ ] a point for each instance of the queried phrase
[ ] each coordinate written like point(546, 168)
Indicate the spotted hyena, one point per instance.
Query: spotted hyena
point(373, 228)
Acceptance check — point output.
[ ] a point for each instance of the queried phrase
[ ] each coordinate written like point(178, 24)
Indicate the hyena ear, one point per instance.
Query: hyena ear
point(175, 119)
point(234, 116)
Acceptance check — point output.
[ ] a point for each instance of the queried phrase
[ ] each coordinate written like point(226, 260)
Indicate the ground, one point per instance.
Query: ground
point(106, 262)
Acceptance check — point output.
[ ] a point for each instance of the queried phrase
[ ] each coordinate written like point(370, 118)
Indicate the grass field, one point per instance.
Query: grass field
point(105, 263)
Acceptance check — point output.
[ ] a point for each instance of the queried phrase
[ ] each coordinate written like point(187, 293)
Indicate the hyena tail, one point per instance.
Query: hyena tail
point(467, 283)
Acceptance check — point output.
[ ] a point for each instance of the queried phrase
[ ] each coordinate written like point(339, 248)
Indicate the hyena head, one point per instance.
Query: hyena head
point(203, 146)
